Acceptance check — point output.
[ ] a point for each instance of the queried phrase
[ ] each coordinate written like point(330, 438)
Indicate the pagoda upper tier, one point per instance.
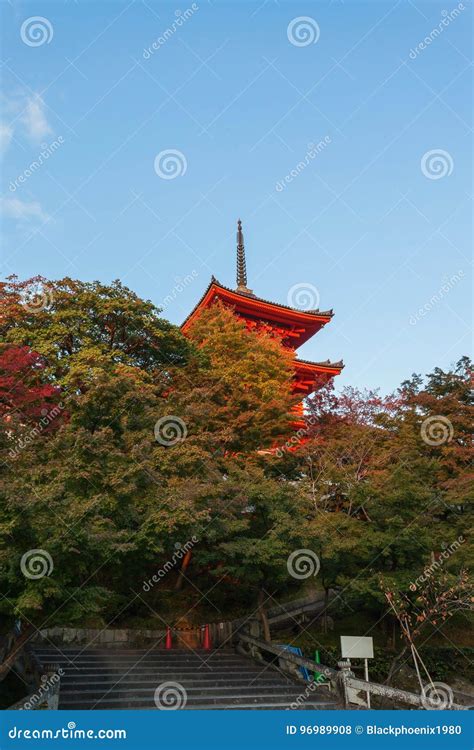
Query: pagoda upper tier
point(294, 326)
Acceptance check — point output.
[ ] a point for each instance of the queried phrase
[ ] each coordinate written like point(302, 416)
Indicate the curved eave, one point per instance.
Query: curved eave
point(309, 376)
point(311, 321)
point(332, 368)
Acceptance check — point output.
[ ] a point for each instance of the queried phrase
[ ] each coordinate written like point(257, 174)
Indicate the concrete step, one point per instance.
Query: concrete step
point(188, 656)
point(73, 672)
point(161, 666)
point(152, 681)
point(219, 679)
point(230, 698)
point(204, 666)
point(97, 681)
point(260, 706)
point(157, 654)
point(86, 661)
point(85, 669)
point(73, 669)
point(193, 693)
point(148, 659)
point(268, 706)
point(109, 653)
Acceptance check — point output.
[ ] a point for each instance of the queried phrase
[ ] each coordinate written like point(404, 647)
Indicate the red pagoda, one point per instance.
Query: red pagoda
point(293, 325)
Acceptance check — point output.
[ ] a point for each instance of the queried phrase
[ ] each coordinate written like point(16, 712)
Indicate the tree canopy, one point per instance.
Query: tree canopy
point(121, 439)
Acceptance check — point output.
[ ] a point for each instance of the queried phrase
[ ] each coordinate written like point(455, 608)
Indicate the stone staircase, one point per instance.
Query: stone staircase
point(139, 679)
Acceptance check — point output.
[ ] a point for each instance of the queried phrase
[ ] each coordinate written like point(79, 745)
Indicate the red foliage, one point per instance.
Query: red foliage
point(24, 396)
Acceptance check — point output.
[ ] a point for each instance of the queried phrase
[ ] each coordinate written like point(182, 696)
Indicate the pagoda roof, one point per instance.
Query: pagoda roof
point(305, 322)
point(327, 365)
point(311, 375)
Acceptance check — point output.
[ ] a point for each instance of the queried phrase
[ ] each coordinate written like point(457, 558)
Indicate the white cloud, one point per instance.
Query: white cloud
point(34, 119)
point(14, 208)
point(29, 112)
point(6, 134)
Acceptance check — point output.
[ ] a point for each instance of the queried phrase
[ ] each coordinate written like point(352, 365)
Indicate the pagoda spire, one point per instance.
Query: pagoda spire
point(241, 263)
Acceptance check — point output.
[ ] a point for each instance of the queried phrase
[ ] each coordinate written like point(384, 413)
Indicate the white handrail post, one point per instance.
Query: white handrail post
point(344, 673)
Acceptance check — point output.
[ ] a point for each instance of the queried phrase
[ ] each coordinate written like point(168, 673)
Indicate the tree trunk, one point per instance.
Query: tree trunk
point(395, 663)
point(263, 616)
point(393, 668)
point(325, 611)
point(388, 625)
point(184, 567)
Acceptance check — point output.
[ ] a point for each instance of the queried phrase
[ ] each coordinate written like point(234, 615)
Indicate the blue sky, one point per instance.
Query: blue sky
point(375, 224)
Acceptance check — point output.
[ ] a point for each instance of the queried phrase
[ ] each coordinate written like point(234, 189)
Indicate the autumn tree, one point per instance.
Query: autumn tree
point(428, 605)
point(83, 492)
point(229, 406)
point(78, 328)
point(162, 438)
point(237, 386)
point(378, 486)
point(27, 400)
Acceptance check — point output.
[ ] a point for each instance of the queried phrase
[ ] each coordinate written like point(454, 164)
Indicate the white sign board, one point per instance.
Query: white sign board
point(357, 647)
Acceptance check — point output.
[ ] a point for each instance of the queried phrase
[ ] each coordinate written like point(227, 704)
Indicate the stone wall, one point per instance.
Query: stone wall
point(92, 637)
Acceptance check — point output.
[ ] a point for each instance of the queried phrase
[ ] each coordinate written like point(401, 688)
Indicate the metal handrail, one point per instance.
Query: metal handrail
point(402, 696)
point(47, 679)
point(42, 697)
point(299, 661)
point(343, 679)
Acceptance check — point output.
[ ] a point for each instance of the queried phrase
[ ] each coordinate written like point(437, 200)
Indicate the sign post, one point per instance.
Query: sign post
point(358, 647)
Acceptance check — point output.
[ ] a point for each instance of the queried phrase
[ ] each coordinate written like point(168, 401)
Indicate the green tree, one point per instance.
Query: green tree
point(379, 484)
point(84, 491)
point(237, 388)
point(229, 406)
point(81, 327)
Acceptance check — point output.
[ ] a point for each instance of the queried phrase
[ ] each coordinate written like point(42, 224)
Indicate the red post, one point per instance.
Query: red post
point(169, 640)
point(206, 644)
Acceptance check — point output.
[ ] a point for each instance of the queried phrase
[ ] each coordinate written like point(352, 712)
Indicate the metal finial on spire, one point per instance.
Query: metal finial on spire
point(241, 263)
